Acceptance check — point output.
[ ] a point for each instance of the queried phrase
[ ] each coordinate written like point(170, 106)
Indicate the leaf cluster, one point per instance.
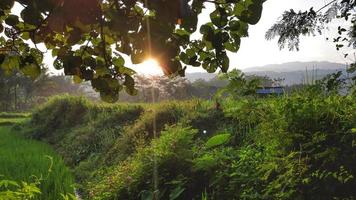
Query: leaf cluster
point(88, 38)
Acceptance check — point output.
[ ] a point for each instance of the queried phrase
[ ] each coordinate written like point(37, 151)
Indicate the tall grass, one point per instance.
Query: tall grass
point(22, 159)
point(11, 121)
point(298, 146)
point(14, 115)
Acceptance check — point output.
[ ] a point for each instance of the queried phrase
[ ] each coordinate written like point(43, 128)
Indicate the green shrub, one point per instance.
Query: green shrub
point(61, 112)
point(300, 146)
point(12, 190)
point(297, 147)
point(168, 154)
point(141, 132)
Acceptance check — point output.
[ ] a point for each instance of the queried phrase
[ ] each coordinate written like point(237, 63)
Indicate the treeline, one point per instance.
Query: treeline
point(162, 88)
point(19, 93)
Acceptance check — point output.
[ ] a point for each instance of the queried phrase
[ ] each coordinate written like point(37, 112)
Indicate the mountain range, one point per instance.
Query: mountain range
point(292, 72)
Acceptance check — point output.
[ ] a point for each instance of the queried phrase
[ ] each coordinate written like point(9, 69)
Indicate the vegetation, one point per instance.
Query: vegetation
point(294, 24)
point(296, 146)
point(30, 169)
point(88, 37)
point(20, 93)
point(300, 146)
point(7, 115)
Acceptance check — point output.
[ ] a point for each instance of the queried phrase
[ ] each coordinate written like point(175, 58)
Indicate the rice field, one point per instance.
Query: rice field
point(7, 119)
point(24, 159)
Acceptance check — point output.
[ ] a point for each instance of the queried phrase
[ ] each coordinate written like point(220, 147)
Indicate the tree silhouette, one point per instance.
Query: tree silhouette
point(294, 24)
point(88, 38)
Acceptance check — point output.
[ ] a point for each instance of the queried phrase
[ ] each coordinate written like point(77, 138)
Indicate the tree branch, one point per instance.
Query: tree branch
point(326, 5)
point(102, 35)
point(214, 2)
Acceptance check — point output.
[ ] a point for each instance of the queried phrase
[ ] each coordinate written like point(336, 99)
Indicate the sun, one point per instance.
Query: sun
point(149, 67)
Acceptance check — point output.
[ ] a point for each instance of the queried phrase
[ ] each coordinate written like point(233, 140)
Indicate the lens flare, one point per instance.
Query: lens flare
point(150, 67)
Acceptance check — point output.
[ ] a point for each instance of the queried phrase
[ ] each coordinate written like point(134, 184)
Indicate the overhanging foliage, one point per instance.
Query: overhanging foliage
point(88, 37)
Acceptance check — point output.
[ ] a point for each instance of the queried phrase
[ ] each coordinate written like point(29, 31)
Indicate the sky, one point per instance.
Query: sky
point(255, 50)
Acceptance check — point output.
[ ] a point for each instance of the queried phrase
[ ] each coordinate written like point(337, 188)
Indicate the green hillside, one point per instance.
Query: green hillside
point(293, 147)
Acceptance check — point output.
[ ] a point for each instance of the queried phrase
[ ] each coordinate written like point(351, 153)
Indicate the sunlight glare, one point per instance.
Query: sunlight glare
point(149, 67)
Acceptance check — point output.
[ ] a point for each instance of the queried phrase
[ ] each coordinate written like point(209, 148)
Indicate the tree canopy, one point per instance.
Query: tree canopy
point(294, 24)
point(88, 38)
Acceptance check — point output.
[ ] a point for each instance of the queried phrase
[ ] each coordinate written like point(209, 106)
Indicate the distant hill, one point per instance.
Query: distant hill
point(297, 66)
point(295, 77)
point(293, 72)
point(199, 75)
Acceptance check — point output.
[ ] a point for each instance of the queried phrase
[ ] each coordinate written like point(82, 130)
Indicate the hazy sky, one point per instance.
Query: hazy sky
point(256, 51)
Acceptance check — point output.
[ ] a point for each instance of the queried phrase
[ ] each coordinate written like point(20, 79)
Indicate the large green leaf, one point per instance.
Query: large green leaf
point(190, 23)
point(219, 17)
point(74, 36)
point(137, 57)
point(118, 61)
point(218, 140)
point(249, 11)
point(130, 85)
point(255, 13)
point(234, 25)
point(207, 29)
point(72, 65)
point(12, 20)
point(183, 35)
point(225, 62)
point(32, 16)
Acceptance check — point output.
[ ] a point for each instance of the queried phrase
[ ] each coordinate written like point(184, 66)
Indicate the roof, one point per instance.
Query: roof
point(270, 90)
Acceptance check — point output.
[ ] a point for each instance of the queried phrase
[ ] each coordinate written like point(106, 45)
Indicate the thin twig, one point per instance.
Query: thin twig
point(214, 2)
point(326, 5)
point(86, 47)
point(103, 40)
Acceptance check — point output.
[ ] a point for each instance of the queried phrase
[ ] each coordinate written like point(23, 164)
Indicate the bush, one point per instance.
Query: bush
point(293, 147)
point(168, 154)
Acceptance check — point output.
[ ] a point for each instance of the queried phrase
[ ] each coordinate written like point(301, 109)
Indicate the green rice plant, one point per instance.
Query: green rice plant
point(22, 159)
point(14, 115)
point(11, 121)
